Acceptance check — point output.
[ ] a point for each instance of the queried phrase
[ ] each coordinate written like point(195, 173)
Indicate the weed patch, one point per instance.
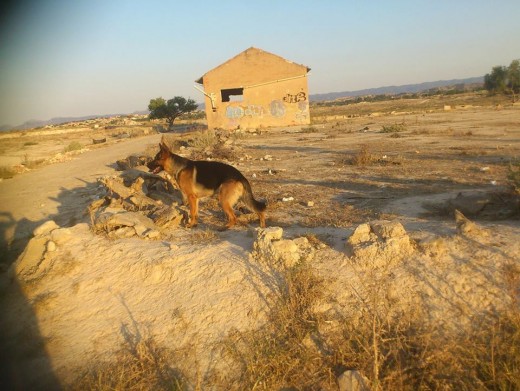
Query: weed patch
point(362, 158)
point(7, 172)
point(395, 128)
point(513, 175)
point(73, 146)
point(283, 354)
point(137, 366)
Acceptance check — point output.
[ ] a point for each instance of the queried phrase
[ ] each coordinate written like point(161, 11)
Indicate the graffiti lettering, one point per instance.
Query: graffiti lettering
point(277, 108)
point(233, 112)
point(254, 111)
point(303, 114)
point(299, 97)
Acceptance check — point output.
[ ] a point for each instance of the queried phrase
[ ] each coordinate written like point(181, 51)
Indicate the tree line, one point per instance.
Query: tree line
point(504, 80)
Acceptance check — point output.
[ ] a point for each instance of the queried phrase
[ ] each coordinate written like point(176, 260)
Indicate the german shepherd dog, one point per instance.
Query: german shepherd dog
point(198, 178)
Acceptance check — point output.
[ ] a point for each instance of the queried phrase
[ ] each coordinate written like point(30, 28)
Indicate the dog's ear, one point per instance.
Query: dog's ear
point(163, 147)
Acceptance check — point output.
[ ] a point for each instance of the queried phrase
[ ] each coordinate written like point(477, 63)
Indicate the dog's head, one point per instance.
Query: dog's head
point(159, 161)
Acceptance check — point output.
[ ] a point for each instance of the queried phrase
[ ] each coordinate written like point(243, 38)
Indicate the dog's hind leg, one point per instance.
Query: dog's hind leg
point(229, 194)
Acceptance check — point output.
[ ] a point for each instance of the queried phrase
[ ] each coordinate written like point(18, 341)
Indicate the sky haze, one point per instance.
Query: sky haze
point(75, 58)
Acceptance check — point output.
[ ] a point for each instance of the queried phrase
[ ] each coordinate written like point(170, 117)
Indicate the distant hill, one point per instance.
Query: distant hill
point(390, 90)
point(393, 90)
point(34, 123)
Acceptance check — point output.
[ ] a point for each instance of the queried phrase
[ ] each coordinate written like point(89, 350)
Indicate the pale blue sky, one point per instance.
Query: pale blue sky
point(80, 57)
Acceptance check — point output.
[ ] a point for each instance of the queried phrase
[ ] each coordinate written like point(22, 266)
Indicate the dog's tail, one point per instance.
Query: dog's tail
point(258, 206)
point(249, 199)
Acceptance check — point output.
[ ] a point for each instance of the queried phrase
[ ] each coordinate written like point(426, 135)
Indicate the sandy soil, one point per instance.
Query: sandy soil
point(86, 294)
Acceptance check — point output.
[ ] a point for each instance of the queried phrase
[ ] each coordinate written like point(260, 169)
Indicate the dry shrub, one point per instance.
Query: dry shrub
point(137, 366)
point(203, 139)
point(395, 128)
point(513, 175)
point(32, 164)
point(283, 353)
point(395, 347)
point(222, 152)
point(362, 158)
point(7, 172)
point(73, 146)
point(203, 236)
point(399, 349)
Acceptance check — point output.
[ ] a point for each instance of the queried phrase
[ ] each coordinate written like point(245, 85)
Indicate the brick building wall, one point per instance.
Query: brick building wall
point(256, 89)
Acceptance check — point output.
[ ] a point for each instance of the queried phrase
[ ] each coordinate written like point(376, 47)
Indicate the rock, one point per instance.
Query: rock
point(169, 216)
point(26, 266)
point(51, 246)
point(270, 246)
point(352, 380)
point(286, 251)
point(387, 229)
point(360, 235)
point(112, 222)
point(466, 227)
point(269, 234)
point(153, 234)
point(380, 242)
point(45, 228)
point(61, 236)
point(470, 203)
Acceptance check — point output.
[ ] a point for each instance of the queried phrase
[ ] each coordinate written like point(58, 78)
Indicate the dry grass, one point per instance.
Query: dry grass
point(395, 128)
point(32, 164)
point(362, 158)
point(283, 354)
point(139, 365)
point(513, 175)
point(394, 348)
point(203, 139)
point(204, 236)
point(7, 172)
point(73, 146)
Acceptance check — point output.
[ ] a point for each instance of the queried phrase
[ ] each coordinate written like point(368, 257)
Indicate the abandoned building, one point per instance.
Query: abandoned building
point(256, 89)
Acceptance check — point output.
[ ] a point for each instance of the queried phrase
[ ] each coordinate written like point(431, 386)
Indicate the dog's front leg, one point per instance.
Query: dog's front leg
point(193, 202)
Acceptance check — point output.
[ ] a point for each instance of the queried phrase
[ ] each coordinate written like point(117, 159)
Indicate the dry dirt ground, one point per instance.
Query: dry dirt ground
point(74, 296)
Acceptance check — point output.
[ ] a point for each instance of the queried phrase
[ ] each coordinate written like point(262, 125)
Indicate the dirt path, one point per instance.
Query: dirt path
point(366, 203)
point(59, 191)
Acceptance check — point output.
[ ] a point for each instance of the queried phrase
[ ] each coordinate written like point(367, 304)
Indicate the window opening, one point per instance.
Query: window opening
point(232, 95)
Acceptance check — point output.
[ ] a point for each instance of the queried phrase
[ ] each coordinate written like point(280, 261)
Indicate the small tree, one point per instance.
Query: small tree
point(503, 79)
point(495, 81)
point(513, 78)
point(171, 109)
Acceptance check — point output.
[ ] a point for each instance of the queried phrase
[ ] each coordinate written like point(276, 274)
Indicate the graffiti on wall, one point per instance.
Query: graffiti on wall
point(302, 114)
point(235, 112)
point(299, 97)
point(277, 108)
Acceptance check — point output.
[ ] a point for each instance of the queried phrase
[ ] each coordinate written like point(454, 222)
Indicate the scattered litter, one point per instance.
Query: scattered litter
point(484, 169)
point(286, 199)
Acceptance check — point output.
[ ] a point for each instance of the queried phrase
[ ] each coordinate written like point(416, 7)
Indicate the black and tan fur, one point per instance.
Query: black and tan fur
point(198, 178)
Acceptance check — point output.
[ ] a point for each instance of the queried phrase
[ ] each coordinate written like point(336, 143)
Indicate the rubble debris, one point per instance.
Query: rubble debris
point(136, 203)
point(270, 246)
point(381, 241)
point(132, 161)
point(466, 227)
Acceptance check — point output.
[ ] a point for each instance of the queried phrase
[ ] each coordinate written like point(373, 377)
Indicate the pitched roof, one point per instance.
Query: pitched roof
point(200, 80)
